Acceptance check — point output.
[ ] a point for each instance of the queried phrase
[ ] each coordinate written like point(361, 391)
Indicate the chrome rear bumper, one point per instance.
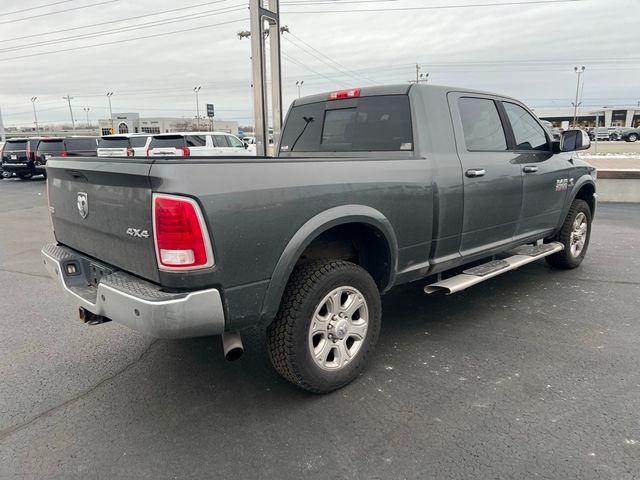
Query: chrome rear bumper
point(133, 302)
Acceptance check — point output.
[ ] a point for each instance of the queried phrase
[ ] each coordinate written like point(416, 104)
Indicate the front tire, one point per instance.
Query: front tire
point(327, 325)
point(574, 235)
point(632, 138)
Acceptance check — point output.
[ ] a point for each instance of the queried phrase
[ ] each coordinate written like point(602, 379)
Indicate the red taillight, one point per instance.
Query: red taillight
point(129, 152)
point(180, 236)
point(353, 93)
point(148, 151)
point(185, 151)
point(64, 153)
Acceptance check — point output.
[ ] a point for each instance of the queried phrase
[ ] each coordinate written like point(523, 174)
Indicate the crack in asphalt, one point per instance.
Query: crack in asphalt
point(24, 273)
point(16, 428)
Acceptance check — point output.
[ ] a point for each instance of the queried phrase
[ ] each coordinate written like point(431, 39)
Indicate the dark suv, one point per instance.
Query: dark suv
point(65, 147)
point(18, 157)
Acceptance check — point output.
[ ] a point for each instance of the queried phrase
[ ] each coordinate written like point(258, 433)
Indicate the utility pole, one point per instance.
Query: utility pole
point(299, 85)
point(35, 116)
point(579, 71)
point(86, 110)
point(197, 89)
point(68, 98)
point(109, 95)
point(259, 16)
point(420, 77)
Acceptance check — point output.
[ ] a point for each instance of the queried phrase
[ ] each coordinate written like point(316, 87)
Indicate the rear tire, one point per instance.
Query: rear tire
point(574, 235)
point(327, 325)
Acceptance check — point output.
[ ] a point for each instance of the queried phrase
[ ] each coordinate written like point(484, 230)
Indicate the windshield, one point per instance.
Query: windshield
point(168, 141)
point(368, 124)
point(114, 142)
point(47, 146)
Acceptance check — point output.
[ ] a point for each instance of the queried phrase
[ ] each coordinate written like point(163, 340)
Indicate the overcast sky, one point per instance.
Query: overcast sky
point(527, 51)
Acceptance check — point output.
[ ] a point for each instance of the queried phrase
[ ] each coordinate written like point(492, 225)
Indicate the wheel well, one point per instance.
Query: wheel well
point(359, 243)
point(586, 194)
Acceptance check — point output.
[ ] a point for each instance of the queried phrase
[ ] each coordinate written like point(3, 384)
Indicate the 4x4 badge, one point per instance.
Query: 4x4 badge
point(83, 204)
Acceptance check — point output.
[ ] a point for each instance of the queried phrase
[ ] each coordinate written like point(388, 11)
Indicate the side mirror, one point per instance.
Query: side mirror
point(246, 145)
point(573, 140)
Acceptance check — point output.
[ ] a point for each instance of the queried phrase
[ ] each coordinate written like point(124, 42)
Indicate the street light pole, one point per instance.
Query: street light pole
point(35, 116)
point(579, 71)
point(299, 84)
point(110, 112)
point(197, 89)
point(68, 98)
point(86, 110)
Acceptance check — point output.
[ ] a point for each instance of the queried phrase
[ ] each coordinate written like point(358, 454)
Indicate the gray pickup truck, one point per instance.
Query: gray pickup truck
point(371, 188)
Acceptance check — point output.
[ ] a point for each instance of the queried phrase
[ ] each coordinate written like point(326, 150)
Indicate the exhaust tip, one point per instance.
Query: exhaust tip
point(234, 354)
point(232, 346)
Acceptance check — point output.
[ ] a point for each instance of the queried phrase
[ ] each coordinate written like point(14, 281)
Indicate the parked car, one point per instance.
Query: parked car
point(631, 135)
point(18, 158)
point(197, 144)
point(2, 174)
point(367, 193)
point(65, 147)
point(553, 131)
point(115, 146)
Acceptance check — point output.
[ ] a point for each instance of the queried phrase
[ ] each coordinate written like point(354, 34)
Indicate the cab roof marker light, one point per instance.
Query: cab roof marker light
point(342, 94)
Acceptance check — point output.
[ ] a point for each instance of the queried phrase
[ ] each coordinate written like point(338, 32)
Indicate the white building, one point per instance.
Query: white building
point(132, 123)
point(616, 116)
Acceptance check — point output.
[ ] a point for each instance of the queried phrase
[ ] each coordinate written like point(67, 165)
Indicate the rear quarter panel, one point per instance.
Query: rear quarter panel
point(254, 208)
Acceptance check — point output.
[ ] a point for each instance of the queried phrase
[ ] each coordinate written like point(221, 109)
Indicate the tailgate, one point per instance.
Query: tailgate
point(102, 208)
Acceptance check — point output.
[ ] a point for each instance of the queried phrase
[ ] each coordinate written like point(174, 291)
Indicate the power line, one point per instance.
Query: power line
point(317, 57)
point(124, 29)
point(340, 67)
point(36, 8)
point(57, 11)
point(433, 7)
point(124, 40)
point(300, 64)
point(64, 30)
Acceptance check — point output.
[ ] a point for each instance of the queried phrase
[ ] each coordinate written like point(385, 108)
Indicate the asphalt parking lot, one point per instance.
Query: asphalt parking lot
point(534, 374)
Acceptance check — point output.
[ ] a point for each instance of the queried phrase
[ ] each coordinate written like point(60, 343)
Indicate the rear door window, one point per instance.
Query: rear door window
point(167, 141)
point(220, 141)
point(81, 144)
point(15, 146)
point(528, 133)
point(482, 126)
point(369, 124)
point(51, 146)
point(114, 142)
point(196, 141)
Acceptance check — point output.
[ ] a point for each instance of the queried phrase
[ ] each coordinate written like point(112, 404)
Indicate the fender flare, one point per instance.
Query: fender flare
point(310, 231)
point(582, 181)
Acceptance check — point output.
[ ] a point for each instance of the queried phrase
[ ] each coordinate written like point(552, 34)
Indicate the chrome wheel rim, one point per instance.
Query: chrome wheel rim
point(338, 328)
point(578, 234)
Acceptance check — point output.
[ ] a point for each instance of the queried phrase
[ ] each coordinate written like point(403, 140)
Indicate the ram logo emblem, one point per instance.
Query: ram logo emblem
point(83, 204)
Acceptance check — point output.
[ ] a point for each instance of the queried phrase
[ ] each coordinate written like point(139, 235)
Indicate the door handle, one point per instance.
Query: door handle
point(530, 169)
point(475, 172)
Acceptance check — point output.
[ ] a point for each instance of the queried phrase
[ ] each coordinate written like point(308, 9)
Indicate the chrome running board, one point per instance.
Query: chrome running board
point(472, 276)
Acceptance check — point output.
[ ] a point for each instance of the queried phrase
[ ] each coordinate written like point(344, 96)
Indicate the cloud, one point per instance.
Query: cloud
point(525, 51)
